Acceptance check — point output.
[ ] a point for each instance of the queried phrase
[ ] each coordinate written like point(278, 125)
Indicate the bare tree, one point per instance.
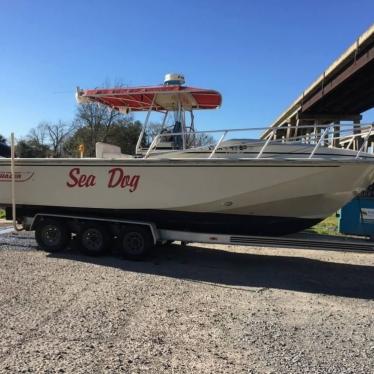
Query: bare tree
point(38, 134)
point(152, 130)
point(202, 139)
point(48, 135)
point(97, 121)
point(57, 135)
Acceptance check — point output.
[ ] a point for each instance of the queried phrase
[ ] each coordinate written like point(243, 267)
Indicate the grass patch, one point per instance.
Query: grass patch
point(329, 226)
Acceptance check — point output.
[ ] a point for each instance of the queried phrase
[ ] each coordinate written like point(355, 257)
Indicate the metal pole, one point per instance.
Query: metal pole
point(336, 134)
point(153, 144)
point(265, 145)
point(181, 120)
point(137, 148)
point(218, 144)
point(13, 180)
point(164, 119)
point(319, 142)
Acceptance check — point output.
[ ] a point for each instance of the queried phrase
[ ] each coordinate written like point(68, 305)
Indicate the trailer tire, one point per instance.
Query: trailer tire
point(135, 242)
point(51, 235)
point(94, 240)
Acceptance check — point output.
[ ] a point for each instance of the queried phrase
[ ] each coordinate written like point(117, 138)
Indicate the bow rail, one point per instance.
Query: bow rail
point(321, 136)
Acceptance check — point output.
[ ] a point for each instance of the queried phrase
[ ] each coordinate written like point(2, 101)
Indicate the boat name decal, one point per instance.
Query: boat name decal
point(117, 178)
point(19, 176)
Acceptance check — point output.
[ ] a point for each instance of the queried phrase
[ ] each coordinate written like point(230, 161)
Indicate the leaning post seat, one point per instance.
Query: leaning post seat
point(109, 151)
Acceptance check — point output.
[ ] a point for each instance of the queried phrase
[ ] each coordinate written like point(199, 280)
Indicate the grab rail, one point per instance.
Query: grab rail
point(364, 144)
point(218, 144)
point(319, 142)
point(265, 145)
point(316, 137)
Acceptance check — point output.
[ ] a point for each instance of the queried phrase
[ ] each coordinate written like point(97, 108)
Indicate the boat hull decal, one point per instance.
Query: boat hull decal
point(23, 176)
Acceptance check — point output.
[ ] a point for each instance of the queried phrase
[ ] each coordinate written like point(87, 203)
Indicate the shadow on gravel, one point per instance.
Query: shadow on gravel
point(224, 268)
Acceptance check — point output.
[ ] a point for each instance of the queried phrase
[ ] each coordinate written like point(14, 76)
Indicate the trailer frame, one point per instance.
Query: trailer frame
point(308, 241)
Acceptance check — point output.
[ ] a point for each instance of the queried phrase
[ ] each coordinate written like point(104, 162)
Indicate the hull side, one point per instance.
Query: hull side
point(211, 195)
point(215, 223)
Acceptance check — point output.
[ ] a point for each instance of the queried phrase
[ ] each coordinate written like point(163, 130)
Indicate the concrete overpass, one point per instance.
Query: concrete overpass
point(342, 93)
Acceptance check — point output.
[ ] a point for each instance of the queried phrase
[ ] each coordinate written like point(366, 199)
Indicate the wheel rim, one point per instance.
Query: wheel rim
point(133, 243)
point(92, 240)
point(51, 235)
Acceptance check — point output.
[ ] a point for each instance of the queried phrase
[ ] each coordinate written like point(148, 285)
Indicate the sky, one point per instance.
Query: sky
point(259, 54)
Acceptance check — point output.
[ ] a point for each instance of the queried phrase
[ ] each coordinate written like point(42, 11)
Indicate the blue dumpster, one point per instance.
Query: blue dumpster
point(357, 217)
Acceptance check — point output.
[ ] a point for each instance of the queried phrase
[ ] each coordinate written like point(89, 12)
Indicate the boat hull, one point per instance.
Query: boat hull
point(250, 197)
point(185, 221)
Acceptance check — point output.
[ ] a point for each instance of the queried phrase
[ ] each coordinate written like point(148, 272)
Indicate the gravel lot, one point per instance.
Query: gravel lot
point(193, 309)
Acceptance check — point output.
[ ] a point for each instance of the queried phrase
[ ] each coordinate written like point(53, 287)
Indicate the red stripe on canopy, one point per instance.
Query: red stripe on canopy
point(162, 97)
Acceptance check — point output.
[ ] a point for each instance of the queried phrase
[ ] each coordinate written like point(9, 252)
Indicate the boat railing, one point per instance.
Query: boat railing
point(322, 136)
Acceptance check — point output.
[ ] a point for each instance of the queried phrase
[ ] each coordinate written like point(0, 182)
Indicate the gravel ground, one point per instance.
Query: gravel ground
point(193, 309)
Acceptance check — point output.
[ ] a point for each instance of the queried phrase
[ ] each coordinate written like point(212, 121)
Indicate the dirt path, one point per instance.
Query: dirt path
point(217, 309)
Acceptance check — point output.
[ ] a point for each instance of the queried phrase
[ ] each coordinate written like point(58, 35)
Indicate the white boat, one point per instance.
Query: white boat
point(236, 186)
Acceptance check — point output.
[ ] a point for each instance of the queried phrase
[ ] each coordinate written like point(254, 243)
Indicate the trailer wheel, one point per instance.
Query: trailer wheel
point(94, 240)
point(51, 235)
point(135, 242)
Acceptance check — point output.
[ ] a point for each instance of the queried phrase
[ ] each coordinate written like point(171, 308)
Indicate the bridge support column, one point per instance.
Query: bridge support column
point(336, 142)
point(357, 130)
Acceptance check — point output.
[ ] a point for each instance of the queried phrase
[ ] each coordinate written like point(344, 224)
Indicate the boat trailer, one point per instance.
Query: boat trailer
point(143, 236)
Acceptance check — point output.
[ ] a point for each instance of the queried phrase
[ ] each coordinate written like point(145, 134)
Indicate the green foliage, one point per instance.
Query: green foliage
point(329, 226)
point(4, 148)
point(93, 123)
point(2, 213)
point(123, 134)
point(31, 149)
point(96, 123)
